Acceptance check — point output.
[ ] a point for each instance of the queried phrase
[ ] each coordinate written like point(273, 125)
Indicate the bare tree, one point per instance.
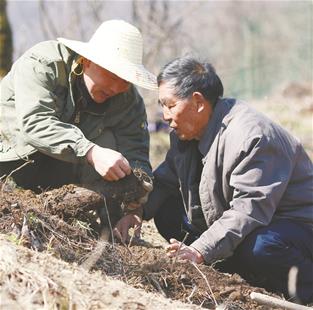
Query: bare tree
point(162, 27)
point(6, 44)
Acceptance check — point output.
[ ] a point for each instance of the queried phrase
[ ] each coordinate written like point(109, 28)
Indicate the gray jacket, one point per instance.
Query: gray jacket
point(245, 172)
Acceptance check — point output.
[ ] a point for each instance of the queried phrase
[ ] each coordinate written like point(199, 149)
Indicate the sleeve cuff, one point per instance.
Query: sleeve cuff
point(82, 147)
point(203, 248)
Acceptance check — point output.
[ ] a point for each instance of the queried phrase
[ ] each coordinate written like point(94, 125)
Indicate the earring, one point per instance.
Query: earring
point(78, 73)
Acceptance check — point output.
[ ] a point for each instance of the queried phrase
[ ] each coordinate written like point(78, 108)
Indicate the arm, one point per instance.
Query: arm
point(165, 184)
point(259, 180)
point(39, 109)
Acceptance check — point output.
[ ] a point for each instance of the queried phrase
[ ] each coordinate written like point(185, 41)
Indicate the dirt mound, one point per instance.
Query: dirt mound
point(32, 280)
point(45, 223)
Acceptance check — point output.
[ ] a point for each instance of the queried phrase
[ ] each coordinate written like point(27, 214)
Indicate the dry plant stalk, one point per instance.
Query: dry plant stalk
point(117, 232)
point(177, 252)
point(207, 282)
point(272, 301)
point(133, 235)
point(156, 284)
point(109, 220)
point(6, 177)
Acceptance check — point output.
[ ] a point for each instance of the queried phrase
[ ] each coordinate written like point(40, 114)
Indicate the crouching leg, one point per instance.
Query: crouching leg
point(269, 253)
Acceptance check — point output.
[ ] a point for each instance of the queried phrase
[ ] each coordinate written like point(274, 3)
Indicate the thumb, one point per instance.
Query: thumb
point(173, 240)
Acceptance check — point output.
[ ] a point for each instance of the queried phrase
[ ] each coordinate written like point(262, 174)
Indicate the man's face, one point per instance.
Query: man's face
point(182, 114)
point(101, 83)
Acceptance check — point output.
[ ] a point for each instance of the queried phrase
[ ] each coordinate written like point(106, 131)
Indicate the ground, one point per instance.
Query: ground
point(53, 256)
point(44, 223)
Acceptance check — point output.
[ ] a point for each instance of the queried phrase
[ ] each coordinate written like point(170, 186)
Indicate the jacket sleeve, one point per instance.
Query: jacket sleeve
point(132, 134)
point(38, 112)
point(259, 180)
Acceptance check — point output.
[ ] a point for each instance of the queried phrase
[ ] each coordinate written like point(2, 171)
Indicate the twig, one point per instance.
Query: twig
point(133, 235)
point(276, 302)
point(109, 220)
point(191, 294)
point(177, 252)
point(13, 171)
point(121, 239)
point(156, 284)
point(207, 283)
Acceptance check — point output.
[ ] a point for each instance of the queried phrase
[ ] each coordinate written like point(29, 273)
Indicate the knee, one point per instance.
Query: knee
point(263, 249)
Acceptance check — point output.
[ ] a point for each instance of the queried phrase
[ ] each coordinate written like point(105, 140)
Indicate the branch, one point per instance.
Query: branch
point(276, 302)
point(177, 252)
point(207, 283)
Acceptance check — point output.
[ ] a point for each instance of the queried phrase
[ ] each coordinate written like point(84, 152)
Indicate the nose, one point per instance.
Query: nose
point(166, 114)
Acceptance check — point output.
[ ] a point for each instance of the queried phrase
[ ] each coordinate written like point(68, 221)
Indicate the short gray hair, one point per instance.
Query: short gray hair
point(187, 75)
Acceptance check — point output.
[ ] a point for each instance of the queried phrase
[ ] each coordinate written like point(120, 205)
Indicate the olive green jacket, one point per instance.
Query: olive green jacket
point(37, 112)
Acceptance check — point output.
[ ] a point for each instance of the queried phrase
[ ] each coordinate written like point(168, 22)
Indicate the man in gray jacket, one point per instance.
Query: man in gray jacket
point(70, 113)
point(239, 184)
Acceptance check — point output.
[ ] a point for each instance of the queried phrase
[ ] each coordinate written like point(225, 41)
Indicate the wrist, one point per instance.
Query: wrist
point(89, 155)
point(199, 256)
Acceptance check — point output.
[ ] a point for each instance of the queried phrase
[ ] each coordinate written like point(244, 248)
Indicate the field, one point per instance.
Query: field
point(52, 256)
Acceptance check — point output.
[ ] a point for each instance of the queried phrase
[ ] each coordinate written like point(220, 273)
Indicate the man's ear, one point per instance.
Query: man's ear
point(199, 101)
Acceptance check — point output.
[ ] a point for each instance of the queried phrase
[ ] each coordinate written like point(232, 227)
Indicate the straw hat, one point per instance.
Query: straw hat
point(116, 46)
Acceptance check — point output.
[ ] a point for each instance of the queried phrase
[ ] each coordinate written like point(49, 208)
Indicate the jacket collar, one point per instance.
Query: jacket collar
point(222, 108)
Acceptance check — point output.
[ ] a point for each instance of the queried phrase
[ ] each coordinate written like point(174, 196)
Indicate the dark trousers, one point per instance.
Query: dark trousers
point(264, 257)
point(43, 173)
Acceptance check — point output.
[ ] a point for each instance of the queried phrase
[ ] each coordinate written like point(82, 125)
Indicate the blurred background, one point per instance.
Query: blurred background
point(262, 50)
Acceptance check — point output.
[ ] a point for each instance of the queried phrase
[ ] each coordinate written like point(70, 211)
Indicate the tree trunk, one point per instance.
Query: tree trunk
point(6, 43)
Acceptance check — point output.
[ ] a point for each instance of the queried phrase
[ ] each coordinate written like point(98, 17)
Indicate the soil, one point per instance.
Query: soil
point(46, 224)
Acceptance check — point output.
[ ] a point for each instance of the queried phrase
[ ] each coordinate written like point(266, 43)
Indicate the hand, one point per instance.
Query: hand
point(125, 223)
point(183, 252)
point(111, 165)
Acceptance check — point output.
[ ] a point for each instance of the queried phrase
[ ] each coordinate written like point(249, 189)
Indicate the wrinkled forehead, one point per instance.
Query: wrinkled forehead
point(166, 92)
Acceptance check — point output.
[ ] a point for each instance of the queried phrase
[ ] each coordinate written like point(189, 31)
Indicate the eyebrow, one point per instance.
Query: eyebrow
point(163, 101)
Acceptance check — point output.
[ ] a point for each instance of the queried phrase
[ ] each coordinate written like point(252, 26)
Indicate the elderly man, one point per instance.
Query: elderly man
point(70, 112)
point(238, 183)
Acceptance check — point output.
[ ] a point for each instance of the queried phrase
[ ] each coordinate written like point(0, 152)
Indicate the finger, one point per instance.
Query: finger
point(110, 176)
point(117, 233)
point(137, 229)
point(124, 231)
point(173, 240)
point(171, 253)
point(124, 165)
point(172, 247)
point(116, 170)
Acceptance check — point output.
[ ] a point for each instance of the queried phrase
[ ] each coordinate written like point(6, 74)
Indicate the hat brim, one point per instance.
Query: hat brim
point(134, 73)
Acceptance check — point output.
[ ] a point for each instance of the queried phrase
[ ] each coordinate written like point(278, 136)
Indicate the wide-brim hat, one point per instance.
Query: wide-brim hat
point(116, 46)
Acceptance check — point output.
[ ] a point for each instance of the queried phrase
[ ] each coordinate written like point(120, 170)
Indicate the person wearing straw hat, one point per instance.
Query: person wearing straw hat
point(69, 111)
